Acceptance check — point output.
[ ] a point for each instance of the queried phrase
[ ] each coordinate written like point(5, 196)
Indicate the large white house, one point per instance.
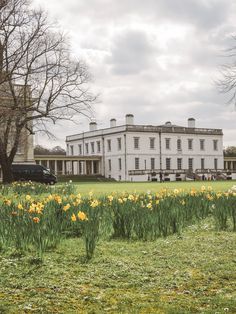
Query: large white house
point(132, 152)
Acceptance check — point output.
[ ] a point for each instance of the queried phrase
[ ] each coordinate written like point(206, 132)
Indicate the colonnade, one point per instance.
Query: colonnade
point(69, 166)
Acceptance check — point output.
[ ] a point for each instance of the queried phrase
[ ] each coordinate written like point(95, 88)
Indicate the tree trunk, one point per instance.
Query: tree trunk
point(7, 172)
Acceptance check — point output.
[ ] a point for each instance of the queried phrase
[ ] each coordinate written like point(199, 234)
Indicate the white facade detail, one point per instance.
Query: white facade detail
point(141, 152)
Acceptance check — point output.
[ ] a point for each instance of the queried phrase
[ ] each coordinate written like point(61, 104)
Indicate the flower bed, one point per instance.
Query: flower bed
point(32, 222)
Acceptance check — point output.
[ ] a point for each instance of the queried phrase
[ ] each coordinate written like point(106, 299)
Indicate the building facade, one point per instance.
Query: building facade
point(144, 152)
point(25, 152)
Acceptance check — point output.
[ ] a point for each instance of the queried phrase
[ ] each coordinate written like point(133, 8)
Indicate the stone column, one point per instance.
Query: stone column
point(72, 167)
point(55, 167)
point(63, 167)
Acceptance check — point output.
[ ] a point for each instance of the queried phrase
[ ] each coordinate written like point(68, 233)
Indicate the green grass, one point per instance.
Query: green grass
point(194, 273)
point(105, 188)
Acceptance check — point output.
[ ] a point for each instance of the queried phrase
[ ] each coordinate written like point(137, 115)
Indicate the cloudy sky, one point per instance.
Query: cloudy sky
point(157, 59)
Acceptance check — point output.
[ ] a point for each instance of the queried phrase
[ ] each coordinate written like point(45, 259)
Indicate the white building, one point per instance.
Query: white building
point(132, 152)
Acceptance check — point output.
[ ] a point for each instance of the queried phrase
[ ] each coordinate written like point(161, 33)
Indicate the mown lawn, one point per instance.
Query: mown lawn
point(194, 273)
point(108, 187)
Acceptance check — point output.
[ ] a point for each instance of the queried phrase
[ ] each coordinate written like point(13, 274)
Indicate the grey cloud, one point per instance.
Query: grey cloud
point(203, 13)
point(135, 73)
point(132, 53)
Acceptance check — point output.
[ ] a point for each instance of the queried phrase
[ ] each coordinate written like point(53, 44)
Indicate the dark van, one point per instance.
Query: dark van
point(32, 172)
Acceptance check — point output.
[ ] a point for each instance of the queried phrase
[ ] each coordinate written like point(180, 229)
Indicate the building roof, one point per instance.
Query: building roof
point(146, 129)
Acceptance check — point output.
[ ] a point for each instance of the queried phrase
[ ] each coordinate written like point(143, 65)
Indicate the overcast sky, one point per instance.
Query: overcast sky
point(156, 59)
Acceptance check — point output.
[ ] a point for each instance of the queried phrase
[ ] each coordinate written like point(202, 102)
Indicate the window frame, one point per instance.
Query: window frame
point(168, 163)
point(167, 143)
point(136, 142)
point(152, 142)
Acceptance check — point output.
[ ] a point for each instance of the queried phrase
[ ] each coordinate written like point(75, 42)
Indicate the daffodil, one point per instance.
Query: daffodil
point(20, 206)
point(7, 202)
point(149, 205)
point(36, 220)
point(58, 199)
point(94, 203)
point(66, 207)
point(73, 217)
point(28, 197)
point(203, 188)
point(131, 197)
point(82, 216)
point(110, 198)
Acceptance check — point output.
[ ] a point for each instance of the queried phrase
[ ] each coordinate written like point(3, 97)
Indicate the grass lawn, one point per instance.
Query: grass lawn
point(108, 187)
point(194, 273)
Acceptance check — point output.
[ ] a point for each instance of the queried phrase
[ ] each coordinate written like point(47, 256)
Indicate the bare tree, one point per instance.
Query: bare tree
point(227, 82)
point(39, 81)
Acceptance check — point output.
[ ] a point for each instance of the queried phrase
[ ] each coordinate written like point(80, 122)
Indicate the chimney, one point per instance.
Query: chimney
point(191, 123)
point(93, 126)
point(112, 123)
point(129, 119)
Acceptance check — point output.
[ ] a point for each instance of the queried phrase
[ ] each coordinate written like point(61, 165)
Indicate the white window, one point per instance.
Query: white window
point(215, 144)
point(167, 143)
point(136, 142)
point(136, 163)
point(119, 143)
point(71, 150)
point(202, 144)
point(86, 148)
point(190, 163)
point(119, 164)
point(202, 163)
point(168, 161)
point(179, 144)
point(190, 143)
point(179, 163)
point(92, 147)
point(152, 163)
point(108, 145)
point(152, 142)
point(80, 149)
point(98, 146)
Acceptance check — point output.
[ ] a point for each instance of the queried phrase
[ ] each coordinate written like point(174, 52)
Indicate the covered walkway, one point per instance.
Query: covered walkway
point(230, 163)
point(70, 165)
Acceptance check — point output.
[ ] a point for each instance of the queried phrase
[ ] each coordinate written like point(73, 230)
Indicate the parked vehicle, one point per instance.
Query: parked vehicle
point(33, 172)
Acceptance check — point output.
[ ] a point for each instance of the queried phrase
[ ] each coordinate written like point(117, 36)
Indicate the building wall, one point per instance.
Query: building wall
point(128, 153)
point(25, 153)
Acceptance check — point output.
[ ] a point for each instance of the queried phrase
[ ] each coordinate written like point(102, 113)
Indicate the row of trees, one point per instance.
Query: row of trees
point(39, 80)
point(230, 151)
point(57, 150)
